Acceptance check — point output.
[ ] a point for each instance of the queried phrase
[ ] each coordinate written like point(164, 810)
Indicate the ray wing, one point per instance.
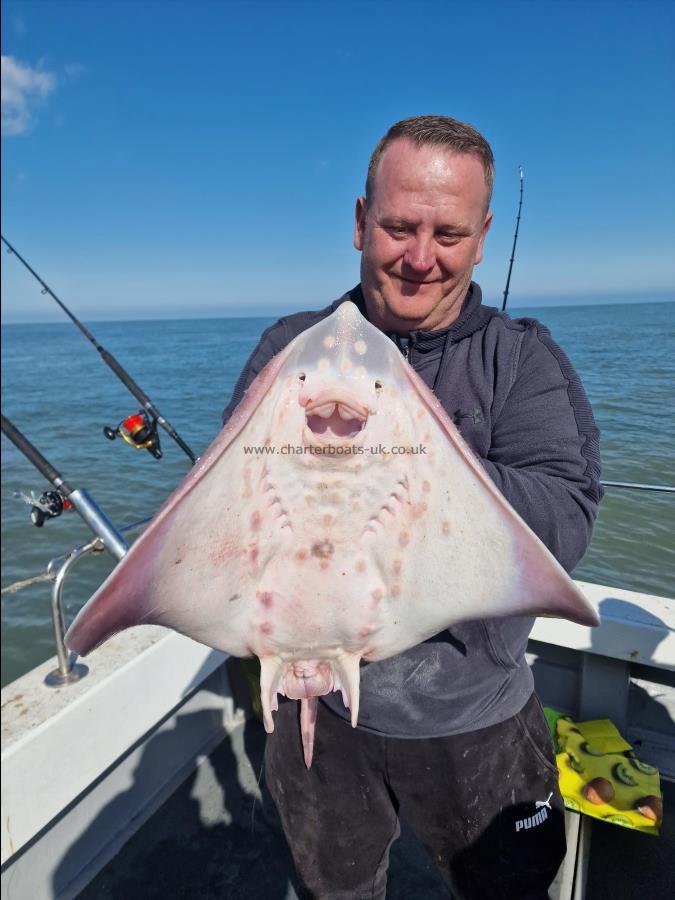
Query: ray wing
point(461, 552)
point(190, 564)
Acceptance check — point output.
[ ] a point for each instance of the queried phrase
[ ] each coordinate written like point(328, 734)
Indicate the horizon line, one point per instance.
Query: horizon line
point(667, 296)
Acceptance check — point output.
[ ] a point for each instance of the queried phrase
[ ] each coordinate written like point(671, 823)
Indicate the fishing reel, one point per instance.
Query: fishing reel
point(139, 431)
point(48, 505)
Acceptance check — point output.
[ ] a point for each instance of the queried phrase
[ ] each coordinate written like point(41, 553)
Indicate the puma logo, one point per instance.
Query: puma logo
point(533, 821)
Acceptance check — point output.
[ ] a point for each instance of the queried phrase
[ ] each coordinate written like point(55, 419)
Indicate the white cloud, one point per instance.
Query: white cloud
point(23, 89)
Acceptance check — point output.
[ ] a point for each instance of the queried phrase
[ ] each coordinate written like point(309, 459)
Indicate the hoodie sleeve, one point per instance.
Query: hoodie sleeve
point(544, 455)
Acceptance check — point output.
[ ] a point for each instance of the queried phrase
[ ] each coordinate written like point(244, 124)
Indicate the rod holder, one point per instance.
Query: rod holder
point(99, 523)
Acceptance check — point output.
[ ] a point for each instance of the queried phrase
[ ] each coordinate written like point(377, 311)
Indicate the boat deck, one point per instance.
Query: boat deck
point(142, 779)
point(219, 836)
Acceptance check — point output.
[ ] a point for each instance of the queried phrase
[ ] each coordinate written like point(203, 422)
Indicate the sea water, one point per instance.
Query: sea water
point(59, 393)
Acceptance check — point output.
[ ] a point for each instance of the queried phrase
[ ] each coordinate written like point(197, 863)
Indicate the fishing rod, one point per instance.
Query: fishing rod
point(64, 496)
point(632, 485)
point(515, 239)
point(139, 430)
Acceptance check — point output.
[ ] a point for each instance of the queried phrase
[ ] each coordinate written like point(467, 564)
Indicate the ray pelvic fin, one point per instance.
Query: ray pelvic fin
point(271, 670)
point(347, 669)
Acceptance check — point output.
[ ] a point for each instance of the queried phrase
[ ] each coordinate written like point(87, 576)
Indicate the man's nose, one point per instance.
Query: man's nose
point(419, 253)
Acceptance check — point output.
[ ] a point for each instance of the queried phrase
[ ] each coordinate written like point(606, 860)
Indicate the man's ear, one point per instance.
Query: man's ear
point(486, 228)
point(360, 223)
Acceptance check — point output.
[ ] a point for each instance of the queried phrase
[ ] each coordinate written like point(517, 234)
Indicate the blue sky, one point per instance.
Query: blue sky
point(166, 159)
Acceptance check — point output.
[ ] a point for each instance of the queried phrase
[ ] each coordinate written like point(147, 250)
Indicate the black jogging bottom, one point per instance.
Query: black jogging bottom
point(485, 804)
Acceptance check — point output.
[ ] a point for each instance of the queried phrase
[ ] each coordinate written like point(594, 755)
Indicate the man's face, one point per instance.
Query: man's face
point(420, 235)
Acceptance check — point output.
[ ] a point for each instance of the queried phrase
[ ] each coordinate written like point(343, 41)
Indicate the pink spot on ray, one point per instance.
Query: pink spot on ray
point(266, 599)
point(404, 539)
point(266, 628)
point(255, 520)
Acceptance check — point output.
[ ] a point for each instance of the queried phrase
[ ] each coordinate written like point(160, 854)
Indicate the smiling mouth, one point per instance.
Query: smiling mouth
point(335, 419)
point(412, 280)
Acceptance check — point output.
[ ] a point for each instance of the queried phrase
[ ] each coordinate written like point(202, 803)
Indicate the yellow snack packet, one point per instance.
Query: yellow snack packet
point(603, 736)
point(612, 785)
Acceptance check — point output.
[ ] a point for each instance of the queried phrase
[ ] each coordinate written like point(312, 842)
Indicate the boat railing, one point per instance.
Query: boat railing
point(68, 670)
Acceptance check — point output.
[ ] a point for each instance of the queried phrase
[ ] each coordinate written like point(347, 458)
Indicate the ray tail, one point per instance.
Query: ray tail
point(308, 711)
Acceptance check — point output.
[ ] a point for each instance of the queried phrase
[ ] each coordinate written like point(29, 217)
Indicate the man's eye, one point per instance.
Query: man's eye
point(397, 230)
point(446, 238)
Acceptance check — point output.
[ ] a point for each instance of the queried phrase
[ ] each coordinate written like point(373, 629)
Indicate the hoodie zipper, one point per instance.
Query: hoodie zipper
point(403, 344)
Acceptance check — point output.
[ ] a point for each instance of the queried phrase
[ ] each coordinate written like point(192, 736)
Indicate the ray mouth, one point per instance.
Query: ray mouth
point(335, 419)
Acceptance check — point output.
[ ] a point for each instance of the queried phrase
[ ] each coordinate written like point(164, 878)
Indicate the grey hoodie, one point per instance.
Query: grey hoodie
point(519, 404)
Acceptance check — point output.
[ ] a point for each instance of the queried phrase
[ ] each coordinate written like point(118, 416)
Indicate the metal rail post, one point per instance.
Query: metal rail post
point(67, 671)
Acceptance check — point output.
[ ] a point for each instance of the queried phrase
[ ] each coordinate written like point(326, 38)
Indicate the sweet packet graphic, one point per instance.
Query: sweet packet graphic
point(601, 776)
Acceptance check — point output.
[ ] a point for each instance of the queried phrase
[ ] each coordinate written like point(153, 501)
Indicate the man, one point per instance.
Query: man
point(451, 736)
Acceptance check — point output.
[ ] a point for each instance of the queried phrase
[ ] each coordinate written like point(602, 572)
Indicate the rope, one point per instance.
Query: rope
point(19, 585)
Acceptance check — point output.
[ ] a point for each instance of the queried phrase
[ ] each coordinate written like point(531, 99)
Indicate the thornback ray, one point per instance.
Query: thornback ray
point(339, 516)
